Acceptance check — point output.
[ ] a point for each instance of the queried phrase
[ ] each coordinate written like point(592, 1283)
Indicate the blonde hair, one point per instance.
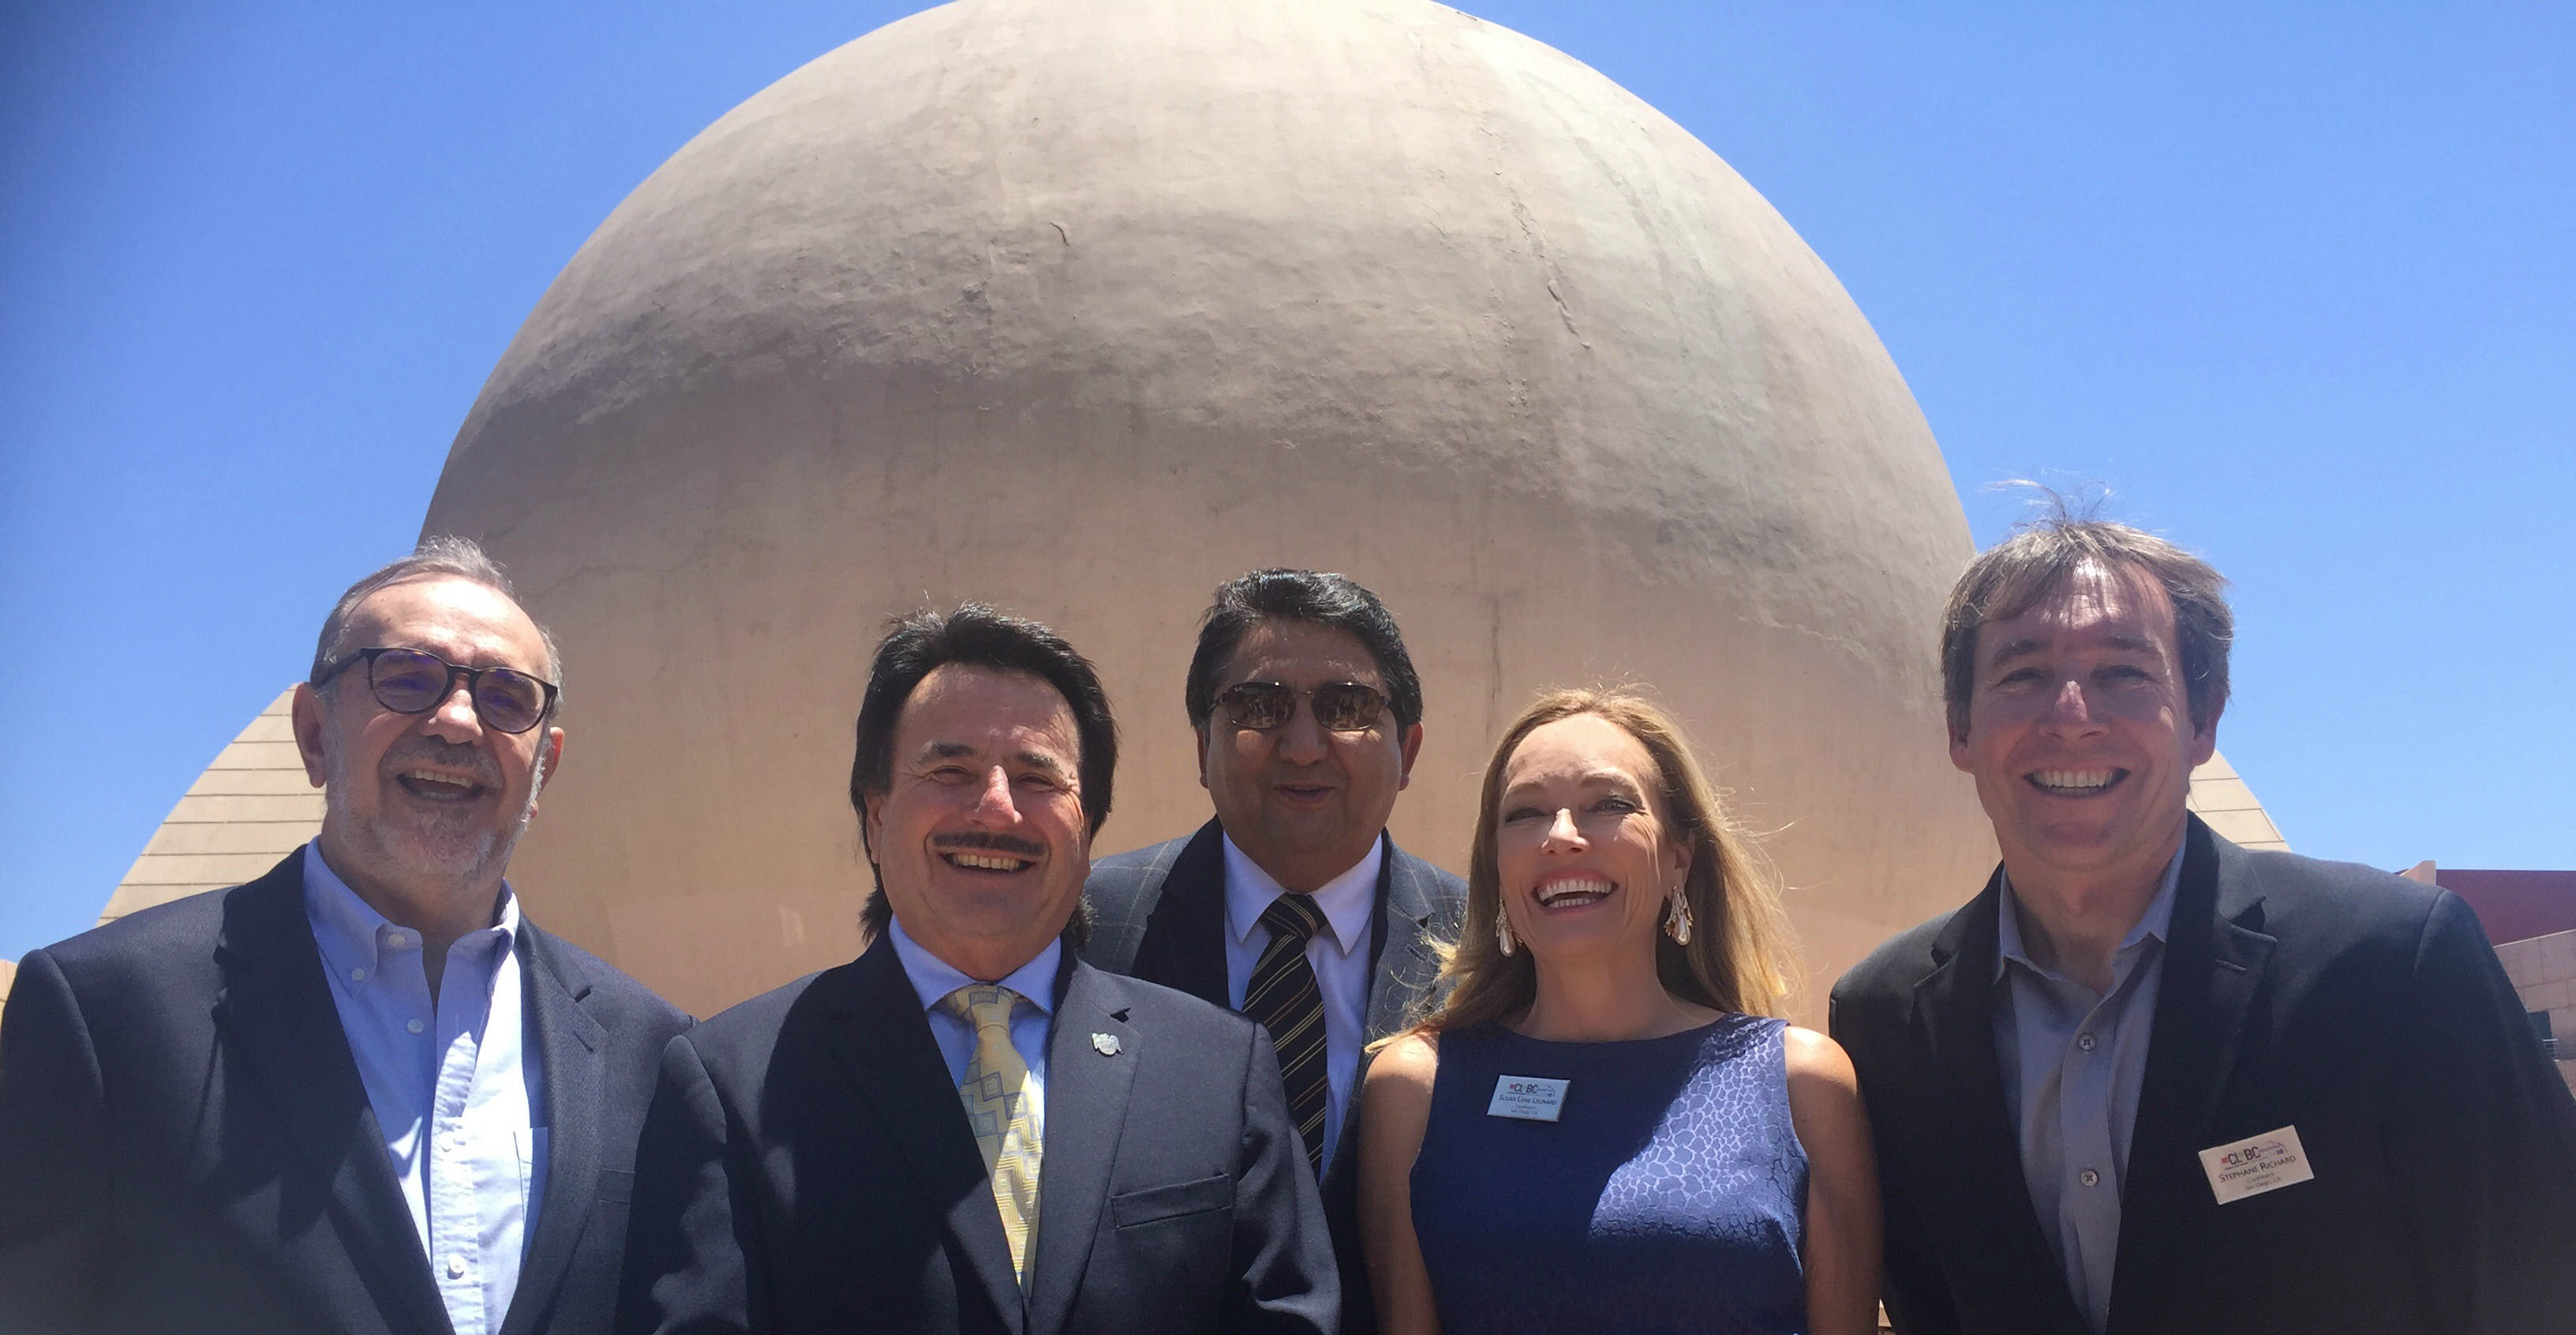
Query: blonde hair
point(1740, 957)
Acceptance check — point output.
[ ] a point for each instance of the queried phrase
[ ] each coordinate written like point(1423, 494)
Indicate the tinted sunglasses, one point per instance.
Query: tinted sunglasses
point(1340, 706)
point(415, 681)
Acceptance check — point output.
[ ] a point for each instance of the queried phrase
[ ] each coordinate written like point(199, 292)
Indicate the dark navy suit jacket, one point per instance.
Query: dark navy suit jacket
point(2364, 1010)
point(1159, 914)
point(185, 1145)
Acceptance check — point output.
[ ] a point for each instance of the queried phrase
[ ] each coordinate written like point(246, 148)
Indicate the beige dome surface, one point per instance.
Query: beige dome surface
point(1083, 307)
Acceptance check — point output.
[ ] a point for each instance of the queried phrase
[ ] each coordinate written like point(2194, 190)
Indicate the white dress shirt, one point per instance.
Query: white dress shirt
point(1339, 956)
point(455, 1088)
point(1031, 1016)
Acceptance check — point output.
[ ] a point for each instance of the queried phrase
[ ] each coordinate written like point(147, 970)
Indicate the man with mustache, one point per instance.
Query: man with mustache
point(967, 1129)
point(1292, 905)
point(362, 1093)
point(2150, 1083)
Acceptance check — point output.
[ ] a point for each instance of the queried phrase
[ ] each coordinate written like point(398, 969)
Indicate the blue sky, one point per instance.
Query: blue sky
point(2298, 286)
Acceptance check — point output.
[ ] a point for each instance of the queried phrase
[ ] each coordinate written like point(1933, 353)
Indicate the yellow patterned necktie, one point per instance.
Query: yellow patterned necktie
point(998, 1109)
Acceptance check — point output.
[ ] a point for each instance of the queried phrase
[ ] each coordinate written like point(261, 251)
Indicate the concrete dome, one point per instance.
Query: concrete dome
point(1081, 308)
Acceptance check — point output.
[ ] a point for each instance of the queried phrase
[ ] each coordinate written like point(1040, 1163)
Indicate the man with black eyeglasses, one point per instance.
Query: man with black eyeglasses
point(1292, 905)
point(361, 1093)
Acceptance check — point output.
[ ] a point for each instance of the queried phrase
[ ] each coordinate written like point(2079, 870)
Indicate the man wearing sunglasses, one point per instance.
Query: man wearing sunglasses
point(1292, 905)
point(361, 1093)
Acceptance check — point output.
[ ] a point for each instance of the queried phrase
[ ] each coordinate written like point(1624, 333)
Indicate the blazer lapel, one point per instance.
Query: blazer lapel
point(884, 1042)
point(2214, 965)
point(1967, 1132)
point(1086, 1109)
point(569, 1047)
point(275, 1009)
point(1184, 945)
point(1406, 968)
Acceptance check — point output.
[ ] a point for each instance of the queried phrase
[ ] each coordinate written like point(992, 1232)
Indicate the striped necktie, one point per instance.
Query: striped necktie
point(999, 1112)
point(1284, 997)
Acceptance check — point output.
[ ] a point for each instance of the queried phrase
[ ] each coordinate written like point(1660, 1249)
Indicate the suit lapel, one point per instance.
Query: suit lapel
point(1184, 945)
point(2214, 965)
point(568, 1043)
point(1967, 1132)
point(1086, 1109)
point(275, 1009)
point(885, 1044)
point(1405, 966)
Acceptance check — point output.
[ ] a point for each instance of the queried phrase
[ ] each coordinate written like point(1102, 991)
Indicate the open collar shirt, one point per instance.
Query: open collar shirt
point(1032, 1016)
point(456, 1088)
point(1339, 955)
point(2073, 1062)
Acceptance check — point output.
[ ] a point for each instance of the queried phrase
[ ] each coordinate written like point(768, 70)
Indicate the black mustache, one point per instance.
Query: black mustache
point(993, 843)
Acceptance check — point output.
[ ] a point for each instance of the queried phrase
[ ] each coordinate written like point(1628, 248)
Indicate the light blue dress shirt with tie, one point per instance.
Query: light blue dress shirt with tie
point(2073, 1061)
point(455, 1087)
point(1031, 1017)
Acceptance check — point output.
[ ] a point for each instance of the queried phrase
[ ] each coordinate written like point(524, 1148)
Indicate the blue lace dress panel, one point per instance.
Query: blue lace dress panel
point(1670, 1196)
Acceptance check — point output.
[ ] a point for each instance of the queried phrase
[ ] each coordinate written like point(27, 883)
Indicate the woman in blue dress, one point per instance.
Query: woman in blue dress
point(1602, 1129)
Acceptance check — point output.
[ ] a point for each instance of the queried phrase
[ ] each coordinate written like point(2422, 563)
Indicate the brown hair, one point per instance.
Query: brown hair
point(2015, 574)
point(1740, 956)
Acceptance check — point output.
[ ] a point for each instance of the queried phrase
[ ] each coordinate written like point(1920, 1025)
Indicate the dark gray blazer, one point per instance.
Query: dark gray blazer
point(806, 1167)
point(2365, 1010)
point(185, 1145)
point(1159, 914)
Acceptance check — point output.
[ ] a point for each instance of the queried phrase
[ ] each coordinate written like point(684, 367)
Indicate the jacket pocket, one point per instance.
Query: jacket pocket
point(1150, 1204)
point(616, 1185)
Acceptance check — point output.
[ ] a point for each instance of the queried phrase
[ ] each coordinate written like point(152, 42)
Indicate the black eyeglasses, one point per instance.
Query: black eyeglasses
point(415, 681)
point(1340, 706)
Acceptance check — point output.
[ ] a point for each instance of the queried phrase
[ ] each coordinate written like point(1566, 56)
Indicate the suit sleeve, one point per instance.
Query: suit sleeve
point(2482, 1141)
point(1284, 1277)
point(687, 1245)
point(1910, 1281)
point(53, 1156)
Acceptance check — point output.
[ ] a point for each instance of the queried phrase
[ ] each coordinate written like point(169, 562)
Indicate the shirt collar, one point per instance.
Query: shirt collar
point(1346, 899)
point(2155, 924)
point(352, 935)
point(934, 978)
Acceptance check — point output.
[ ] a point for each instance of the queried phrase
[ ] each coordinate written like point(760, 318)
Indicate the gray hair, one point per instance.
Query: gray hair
point(440, 555)
point(2042, 556)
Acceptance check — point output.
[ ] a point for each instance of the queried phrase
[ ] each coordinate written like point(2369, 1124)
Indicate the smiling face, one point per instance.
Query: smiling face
point(1586, 850)
point(425, 808)
point(1303, 803)
point(2080, 734)
point(980, 840)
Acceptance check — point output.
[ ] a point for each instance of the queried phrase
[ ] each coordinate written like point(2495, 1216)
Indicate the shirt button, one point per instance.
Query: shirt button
point(2084, 1041)
point(455, 1266)
point(398, 940)
point(413, 1025)
point(357, 975)
point(2089, 1178)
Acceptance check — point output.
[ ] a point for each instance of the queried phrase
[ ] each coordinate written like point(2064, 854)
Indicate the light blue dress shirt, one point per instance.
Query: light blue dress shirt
point(2073, 1062)
point(455, 1087)
point(1339, 956)
point(1031, 1017)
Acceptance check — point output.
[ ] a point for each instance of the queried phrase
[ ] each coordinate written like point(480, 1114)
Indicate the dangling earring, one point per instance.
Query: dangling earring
point(1503, 929)
point(1678, 924)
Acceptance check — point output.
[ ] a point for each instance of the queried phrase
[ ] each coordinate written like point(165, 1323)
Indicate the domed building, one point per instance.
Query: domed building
point(1081, 308)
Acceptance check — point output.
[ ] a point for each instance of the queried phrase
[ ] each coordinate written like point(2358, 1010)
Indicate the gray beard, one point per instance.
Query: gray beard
point(432, 846)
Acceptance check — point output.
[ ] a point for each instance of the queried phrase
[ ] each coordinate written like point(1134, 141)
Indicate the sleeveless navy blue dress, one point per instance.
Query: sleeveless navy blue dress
point(1669, 1196)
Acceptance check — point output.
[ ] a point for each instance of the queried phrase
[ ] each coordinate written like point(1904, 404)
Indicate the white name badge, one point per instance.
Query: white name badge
point(1532, 1098)
point(2256, 1164)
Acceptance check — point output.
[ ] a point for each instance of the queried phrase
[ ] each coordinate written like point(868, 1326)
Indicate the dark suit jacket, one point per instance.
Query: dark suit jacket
point(2365, 1010)
point(1159, 914)
point(185, 1145)
point(807, 1167)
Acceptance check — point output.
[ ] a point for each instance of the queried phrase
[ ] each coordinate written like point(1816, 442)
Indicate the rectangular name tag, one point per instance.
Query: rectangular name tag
point(2256, 1164)
point(1532, 1098)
